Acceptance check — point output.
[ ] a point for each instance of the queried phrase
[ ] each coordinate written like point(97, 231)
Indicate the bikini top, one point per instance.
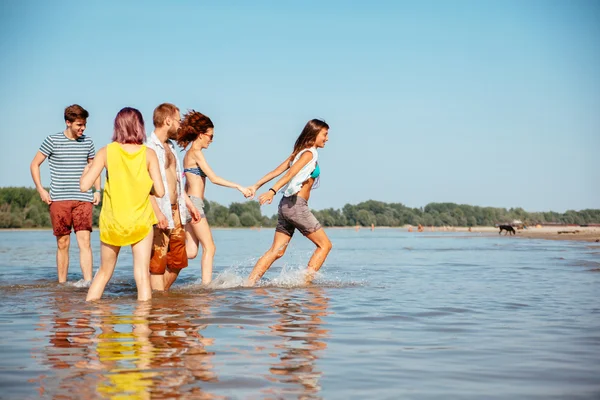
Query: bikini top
point(195, 171)
point(316, 172)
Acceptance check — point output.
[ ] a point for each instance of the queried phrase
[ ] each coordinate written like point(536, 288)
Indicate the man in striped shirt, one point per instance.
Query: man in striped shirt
point(68, 153)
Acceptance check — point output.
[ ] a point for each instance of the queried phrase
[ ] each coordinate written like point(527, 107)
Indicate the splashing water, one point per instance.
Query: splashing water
point(226, 280)
point(292, 276)
point(82, 283)
point(289, 277)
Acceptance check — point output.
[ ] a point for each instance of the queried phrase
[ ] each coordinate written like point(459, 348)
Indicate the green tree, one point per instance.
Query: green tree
point(350, 212)
point(365, 217)
point(32, 217)
point(233, 221)
point(217, 214)
point(382, 220)
point(251, 207)
point(247, 219)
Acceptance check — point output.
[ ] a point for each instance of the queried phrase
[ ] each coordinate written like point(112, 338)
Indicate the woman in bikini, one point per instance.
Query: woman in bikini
point(197, 130)
point(302, 173)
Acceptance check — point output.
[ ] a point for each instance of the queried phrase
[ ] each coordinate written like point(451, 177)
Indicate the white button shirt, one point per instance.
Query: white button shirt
point(164, 203)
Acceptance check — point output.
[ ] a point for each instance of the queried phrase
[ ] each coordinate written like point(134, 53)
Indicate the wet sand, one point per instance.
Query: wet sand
point(578, 233)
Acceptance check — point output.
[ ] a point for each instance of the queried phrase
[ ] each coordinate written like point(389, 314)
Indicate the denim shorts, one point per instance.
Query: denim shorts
point(294, 213)
point(199, 204)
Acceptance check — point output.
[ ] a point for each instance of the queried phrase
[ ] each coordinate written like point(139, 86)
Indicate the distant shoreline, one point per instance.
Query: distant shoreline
point(569, 233)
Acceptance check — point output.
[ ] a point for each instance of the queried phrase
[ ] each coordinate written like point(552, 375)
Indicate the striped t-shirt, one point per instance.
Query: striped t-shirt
point(67, 159)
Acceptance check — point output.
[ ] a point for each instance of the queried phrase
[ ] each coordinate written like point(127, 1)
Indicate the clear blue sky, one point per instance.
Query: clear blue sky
point(478, 102)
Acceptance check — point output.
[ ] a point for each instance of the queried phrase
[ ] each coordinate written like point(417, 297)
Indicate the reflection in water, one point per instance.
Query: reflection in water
point(69, 345)
point(300, 328)
point(155, 352)
point(180, 350)
point(125, 356)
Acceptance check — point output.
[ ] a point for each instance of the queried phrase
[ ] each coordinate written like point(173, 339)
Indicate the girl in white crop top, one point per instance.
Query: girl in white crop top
point(301, 176)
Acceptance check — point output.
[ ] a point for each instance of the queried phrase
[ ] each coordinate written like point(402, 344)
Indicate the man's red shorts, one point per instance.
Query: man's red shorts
point(67, 214)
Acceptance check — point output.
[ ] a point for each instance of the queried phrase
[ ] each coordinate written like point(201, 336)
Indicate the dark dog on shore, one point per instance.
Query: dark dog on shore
point(507, 228)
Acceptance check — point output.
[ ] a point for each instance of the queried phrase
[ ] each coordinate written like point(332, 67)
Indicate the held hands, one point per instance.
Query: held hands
point(247, 192)
point(266, 197)
point(253, 189)
point(96, 198)
point(44, 195)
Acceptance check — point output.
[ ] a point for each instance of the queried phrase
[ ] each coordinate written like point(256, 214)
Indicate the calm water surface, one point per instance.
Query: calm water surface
point(393, 315)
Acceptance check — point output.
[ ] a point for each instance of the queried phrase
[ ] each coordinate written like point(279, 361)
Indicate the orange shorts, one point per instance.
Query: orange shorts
point(168, 247)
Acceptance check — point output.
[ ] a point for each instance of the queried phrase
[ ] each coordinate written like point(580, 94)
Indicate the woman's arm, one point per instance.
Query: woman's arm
point(158, 189)
point(198, 157)
point(92, 171)
point(281, 168)
point(294, 169)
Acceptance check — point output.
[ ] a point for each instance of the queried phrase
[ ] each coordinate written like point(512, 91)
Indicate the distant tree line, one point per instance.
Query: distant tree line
point(444, 214)
point(22, 208)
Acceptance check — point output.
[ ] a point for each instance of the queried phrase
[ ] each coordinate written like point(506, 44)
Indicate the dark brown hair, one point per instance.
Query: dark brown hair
point(193, 125)
point(162, 112)
point(75, 112)
point(308, 136)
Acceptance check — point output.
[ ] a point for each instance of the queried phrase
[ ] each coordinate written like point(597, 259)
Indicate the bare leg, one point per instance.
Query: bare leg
point(108, 259)
point(141, 332)
point(176, 253)
point(62, 257)
point(277, 250)
point(202, 232)
point(85, 253)
point(157, 282)
point(160, 249)
point(191, 241)
point(318, 258)
point(169, 277)
point(141, 260)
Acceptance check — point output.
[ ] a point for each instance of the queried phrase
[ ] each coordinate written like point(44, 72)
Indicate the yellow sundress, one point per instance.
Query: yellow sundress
point(127, 215)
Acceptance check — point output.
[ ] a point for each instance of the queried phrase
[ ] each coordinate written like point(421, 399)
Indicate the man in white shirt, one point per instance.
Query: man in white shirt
point(168, 250)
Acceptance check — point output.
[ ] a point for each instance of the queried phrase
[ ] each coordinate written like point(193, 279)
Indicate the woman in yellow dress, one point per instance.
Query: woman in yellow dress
point(126, 218)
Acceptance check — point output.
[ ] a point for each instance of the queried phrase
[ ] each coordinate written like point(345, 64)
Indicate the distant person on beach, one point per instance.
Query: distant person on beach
point(126, 218)
point(302, 173)
point(197, 131)
point(169, 256)
point(68, 153)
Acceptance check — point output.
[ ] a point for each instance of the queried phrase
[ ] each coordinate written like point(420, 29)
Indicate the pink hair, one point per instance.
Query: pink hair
point(129, 127)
